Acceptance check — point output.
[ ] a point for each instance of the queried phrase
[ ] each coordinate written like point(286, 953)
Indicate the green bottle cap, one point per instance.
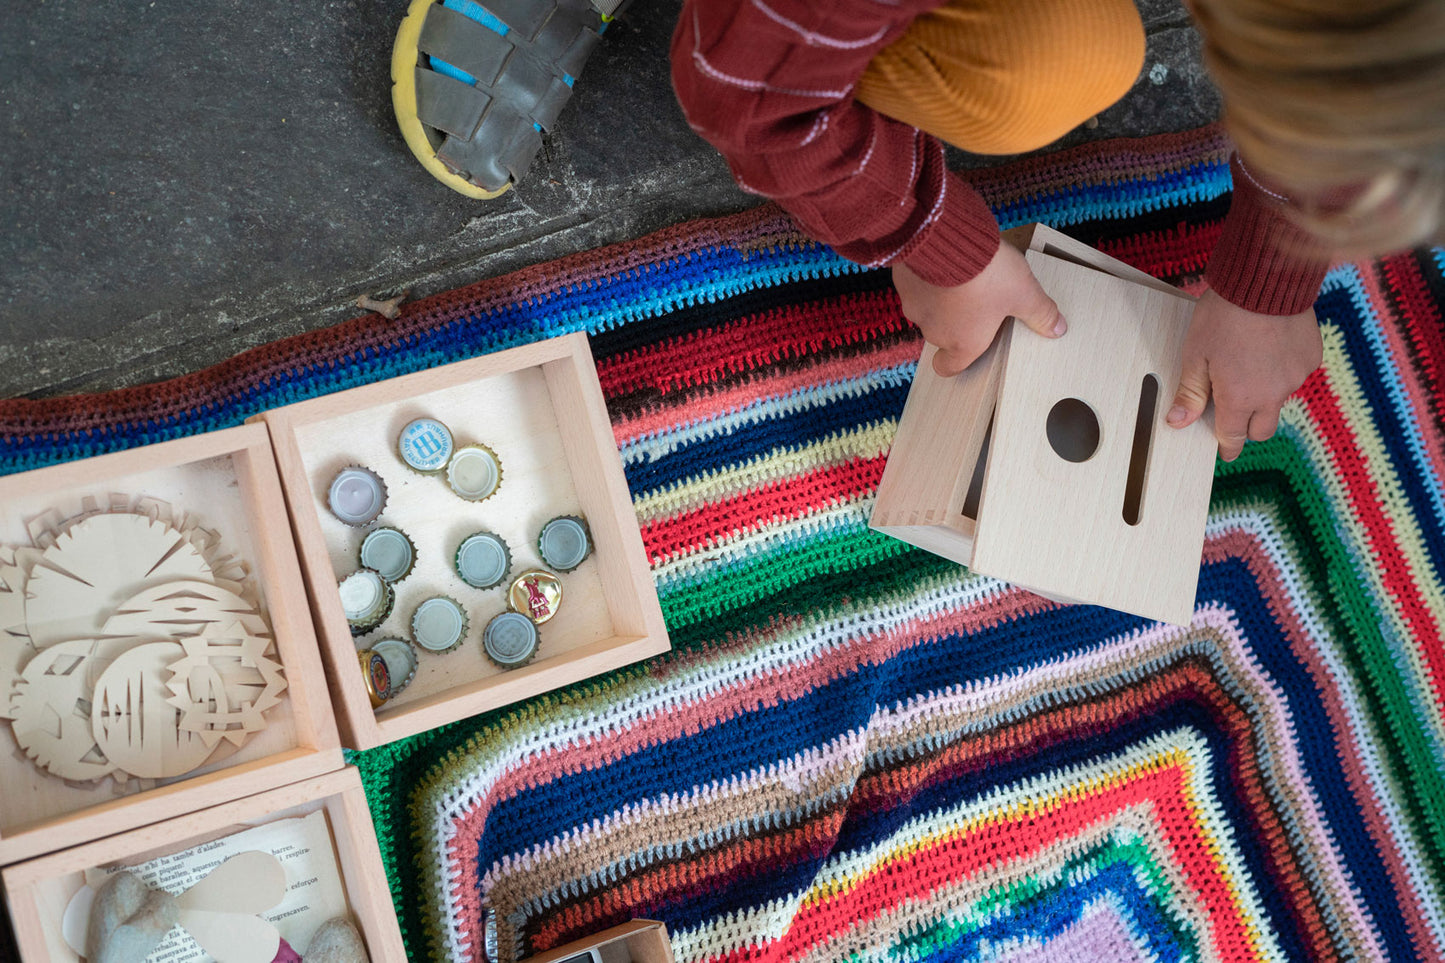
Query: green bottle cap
point(366, 599)
point(482, 560)
point(401, 662)
point(510, 640)
point(439, 624)
point(564, 543)
point(389, 552)
point(475, 473)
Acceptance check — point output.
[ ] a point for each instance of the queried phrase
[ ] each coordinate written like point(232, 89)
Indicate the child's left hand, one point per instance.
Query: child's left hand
point(1250, 363)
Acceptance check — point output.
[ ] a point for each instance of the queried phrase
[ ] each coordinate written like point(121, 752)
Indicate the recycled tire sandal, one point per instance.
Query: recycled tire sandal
point(475, 84)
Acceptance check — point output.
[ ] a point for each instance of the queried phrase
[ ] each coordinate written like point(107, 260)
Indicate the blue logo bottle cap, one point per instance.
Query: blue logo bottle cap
point(425, 445)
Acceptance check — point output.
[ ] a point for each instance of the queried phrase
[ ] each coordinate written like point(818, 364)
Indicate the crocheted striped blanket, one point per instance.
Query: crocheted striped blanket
point(859, 751)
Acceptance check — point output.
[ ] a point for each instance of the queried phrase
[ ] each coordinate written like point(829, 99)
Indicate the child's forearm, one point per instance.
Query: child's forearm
point(770, 84)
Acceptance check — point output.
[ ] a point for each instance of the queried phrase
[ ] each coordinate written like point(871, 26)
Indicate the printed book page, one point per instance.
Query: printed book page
point(314, 892)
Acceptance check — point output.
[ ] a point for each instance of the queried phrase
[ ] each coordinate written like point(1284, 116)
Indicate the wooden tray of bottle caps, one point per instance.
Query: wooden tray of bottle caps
point(226, 480)
point(540, 408)
point(39, 890)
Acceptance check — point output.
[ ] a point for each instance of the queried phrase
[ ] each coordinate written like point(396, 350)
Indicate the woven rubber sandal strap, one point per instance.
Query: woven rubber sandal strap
point(520, 80)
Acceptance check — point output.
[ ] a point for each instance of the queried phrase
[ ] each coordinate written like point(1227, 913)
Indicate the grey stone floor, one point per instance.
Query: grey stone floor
point(182, 181)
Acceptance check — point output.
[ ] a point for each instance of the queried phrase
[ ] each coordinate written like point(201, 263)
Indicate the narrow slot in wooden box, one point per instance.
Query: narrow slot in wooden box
point(228, 481)
point(39, 890)
point(540, 407)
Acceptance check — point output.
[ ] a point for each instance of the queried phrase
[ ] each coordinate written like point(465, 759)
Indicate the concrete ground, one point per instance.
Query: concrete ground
point(182, 181)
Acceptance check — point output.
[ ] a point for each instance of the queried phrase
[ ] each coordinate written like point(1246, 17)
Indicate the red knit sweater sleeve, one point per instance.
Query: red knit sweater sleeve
point(1263, 262)
point(770, 84)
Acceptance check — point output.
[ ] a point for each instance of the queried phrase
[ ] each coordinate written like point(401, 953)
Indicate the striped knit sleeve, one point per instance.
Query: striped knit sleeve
point(770, 84)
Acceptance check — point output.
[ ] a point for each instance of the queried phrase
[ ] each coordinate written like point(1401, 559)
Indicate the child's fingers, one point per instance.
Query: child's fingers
point(1263, 424)
point(948, 362)
point(1231, 428)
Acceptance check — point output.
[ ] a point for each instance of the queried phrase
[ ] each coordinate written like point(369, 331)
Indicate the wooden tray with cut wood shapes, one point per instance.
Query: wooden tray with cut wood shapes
point(1048, 463)
point(156, 651)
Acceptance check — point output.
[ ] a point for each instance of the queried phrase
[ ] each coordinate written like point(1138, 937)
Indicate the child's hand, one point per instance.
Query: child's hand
point(1250, 362)
point(961, 321)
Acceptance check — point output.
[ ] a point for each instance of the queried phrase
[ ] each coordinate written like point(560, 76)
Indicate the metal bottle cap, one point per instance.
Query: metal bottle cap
point(482, 560)
point(510, 639)
point(439, 624)
point(489, 936)
point(366, 599)
point(401, 662)
point(378, 677)
point(564, 543)
point(356, 496)
point(389, 552)
point(426, 445)
point(475, 472)
point(536, 594)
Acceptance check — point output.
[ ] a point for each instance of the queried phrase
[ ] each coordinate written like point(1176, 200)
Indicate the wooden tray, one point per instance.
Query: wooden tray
point(540, 408)
point(227, 480)
point(39, 890)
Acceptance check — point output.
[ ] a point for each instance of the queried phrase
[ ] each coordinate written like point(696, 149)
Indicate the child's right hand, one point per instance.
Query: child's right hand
point(962, 321)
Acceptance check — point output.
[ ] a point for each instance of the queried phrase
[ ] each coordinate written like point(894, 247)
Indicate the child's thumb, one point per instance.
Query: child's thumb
point(1192, 396)
point(1042, 314)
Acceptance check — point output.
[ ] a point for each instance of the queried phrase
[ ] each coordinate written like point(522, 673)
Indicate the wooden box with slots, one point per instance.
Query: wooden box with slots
point(156, 650)
point(1048, 463)
point(540, 408)
point(39, 891)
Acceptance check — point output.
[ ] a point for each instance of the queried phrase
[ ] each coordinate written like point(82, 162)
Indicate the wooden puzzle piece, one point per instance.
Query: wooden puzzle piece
point(133, 724)
point(52, 713)
point(224, 684)
point(184, 608)
point(15, 646)
point(98, 563)
point(221, 912)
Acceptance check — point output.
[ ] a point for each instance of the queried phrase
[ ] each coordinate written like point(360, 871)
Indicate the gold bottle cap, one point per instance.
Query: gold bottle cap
point(536, 594)
point(377, 675)
point(425, 445)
